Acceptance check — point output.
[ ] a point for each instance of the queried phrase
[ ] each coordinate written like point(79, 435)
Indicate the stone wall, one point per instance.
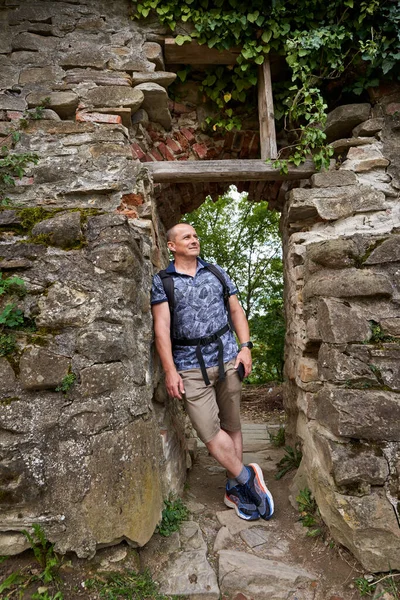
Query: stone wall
point(92, 463)
point(343, 343)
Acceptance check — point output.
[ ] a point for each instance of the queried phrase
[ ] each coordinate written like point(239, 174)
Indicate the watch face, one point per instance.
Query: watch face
point(247, 345)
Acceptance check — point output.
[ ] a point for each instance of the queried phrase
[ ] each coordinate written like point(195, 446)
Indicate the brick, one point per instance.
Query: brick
point(188, 135)
point(237, 141)
point(200, 150)
point(180, 108)
point(137, 151)
point(132, 199)
point(24, 181)
point(393, 108)
point(173, 145)
point(254, 148)
point(229, 139)
point(155, 155)
point(98, 118)
point(247, 139)
point(155, 135)
point(166, 152)
point(14, 115)
point(182, 140)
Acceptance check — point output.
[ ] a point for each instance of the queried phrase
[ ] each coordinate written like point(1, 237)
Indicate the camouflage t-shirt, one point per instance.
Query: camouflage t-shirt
point(199, 311)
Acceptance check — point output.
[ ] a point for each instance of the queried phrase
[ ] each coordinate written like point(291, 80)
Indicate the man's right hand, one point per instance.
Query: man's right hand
point(174, 384)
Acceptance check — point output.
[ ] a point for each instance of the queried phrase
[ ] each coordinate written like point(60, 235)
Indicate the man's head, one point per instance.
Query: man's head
point(183, 241)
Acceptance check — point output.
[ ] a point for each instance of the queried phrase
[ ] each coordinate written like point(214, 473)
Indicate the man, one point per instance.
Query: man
point(200, 360)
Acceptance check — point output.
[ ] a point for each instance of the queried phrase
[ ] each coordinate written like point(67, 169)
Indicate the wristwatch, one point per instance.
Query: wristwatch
point(246, 345)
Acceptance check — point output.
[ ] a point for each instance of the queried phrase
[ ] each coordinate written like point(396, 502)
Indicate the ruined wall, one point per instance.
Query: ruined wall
point(93, 461)
point(342, 255)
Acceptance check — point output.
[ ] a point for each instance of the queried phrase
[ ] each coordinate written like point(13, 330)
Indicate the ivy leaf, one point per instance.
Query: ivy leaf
point(349, 3)
point(252, 17)
point(259, 60)
point(181, 39)
point(266, 36)
point(227, 97)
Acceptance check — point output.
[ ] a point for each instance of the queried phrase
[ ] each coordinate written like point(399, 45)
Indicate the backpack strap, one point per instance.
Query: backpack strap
point(168, 284)
point(215, 271)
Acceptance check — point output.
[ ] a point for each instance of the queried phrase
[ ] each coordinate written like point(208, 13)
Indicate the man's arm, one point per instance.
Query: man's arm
point(162, 322)
point(243, 332)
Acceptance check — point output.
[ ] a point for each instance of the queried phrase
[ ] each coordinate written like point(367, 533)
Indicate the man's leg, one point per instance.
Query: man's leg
point(237, 439)
point(224, 448)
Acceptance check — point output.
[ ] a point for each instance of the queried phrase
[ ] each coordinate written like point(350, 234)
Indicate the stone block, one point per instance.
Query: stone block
point(103, 342)
point(388, 251)
point(126, 58)
point(372, 415)
point(13, 543)
point(259, 578)
point(64, 230)
point(342, 120)
point(308, 369)
point(352, 283)
point(101, 78)
point(66, 306)
point(162, 78)
point(42, 370)
point(333, 253)
point(8, 102)
point(333, 203)
point(112, 96)
point(340, 323)
point(63, 103)
point(391, 326)
point(335, 366)
point(365, 158)
point(342, 146)
point(101, 379)
point(154, 53)
point(41, 75)
point(156, 103)
point(86, 56)
point(7, 377)
point(333, 179)
point(369, 128)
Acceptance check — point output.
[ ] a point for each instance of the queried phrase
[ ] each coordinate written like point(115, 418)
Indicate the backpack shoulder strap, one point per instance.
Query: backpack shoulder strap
point(168, 284)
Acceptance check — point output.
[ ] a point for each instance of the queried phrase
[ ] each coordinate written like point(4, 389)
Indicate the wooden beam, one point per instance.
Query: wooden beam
point(191, 53)
point(266, 112)
point(193, 171)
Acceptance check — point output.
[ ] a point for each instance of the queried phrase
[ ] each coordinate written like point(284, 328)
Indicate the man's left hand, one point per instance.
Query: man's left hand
point(244, 357)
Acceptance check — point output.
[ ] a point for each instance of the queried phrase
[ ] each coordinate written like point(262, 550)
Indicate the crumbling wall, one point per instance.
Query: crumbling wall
point(341, 255)
point(86, 449)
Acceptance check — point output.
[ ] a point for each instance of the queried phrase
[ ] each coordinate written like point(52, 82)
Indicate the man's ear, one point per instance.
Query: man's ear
point(171, 247)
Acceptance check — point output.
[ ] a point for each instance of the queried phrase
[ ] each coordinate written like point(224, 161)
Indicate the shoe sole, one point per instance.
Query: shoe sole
point(264, 489)
point(231, 504)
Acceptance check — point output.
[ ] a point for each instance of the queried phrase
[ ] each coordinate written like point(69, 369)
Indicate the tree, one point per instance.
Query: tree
point(243, 237)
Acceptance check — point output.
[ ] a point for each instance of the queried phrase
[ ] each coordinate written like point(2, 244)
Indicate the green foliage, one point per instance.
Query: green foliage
point(8, 284)
point(129, 585)
point(18, 582)
point(11, 317)
point(7, 344)
point(174, 513)
point(290, 461)
point(278, 439)
point(378, 335)
point(243, 237)
point(365, 587)
point(343, 45)
point(66, 383)
point(309, 513)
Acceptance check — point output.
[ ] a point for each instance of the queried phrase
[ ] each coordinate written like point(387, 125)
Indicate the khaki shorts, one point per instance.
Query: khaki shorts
point(216, 406)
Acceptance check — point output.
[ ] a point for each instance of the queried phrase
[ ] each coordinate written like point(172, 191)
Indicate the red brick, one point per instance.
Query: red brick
point(148, 158)
point(182, 140)
point(24, 181)
point(180, 108)
point(188, 135)
point(132, 199)
point(175, 147)
point(166, 152)
point(138, 151)
point(155, 136)
point(183, 158)
point(14, 115)
point(98, 118)
point(155, 155)
point(200, 150)
point(254, 147)
point(229, 139)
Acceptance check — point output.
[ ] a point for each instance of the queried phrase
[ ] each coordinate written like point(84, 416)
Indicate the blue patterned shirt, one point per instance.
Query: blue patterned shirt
point(199, 311)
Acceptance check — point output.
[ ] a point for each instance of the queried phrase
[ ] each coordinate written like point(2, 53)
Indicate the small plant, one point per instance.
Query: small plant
point(378, 335)
point(174, 513)
point(278, 439)
point(44, 553)
point(290, 461)
point(11, 283)
point(7, 344)
point(309, 513)
point(66, 383)
point(129, 585)
point(365, 587)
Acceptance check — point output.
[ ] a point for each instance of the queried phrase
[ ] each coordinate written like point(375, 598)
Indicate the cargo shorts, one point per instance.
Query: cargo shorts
point(216, 406)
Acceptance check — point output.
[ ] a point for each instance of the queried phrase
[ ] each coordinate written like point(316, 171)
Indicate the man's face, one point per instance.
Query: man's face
point(185, 242)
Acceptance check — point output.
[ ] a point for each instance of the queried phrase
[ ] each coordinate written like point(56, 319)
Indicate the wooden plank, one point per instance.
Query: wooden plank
point(266, 112)
point(191, 53)
point(193, 171)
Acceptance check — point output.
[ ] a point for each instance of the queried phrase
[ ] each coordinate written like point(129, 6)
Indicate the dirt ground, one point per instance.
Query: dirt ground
point(336, 568)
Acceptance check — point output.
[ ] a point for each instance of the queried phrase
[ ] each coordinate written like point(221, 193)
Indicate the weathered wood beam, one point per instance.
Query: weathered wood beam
point(193, 171)
point(266, 112)
point(191, 53)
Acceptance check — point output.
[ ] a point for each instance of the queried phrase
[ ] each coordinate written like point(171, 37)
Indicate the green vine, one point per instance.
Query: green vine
point(330, 49)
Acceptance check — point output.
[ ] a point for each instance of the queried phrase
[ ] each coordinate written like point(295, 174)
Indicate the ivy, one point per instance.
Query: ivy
point(330, 47)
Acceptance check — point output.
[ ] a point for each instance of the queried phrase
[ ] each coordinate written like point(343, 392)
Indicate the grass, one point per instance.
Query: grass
point(290, 461)
point(129, 585)
point(387, 583)
point(310, 516)
point(278, 439)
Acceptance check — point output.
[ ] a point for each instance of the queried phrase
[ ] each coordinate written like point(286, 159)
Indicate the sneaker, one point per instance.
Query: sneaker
point(237, 497)
point(258, 492)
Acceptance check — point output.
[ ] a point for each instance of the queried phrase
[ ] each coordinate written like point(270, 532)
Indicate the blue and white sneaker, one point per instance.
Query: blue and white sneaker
point(237, 497)
point(258, 492)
